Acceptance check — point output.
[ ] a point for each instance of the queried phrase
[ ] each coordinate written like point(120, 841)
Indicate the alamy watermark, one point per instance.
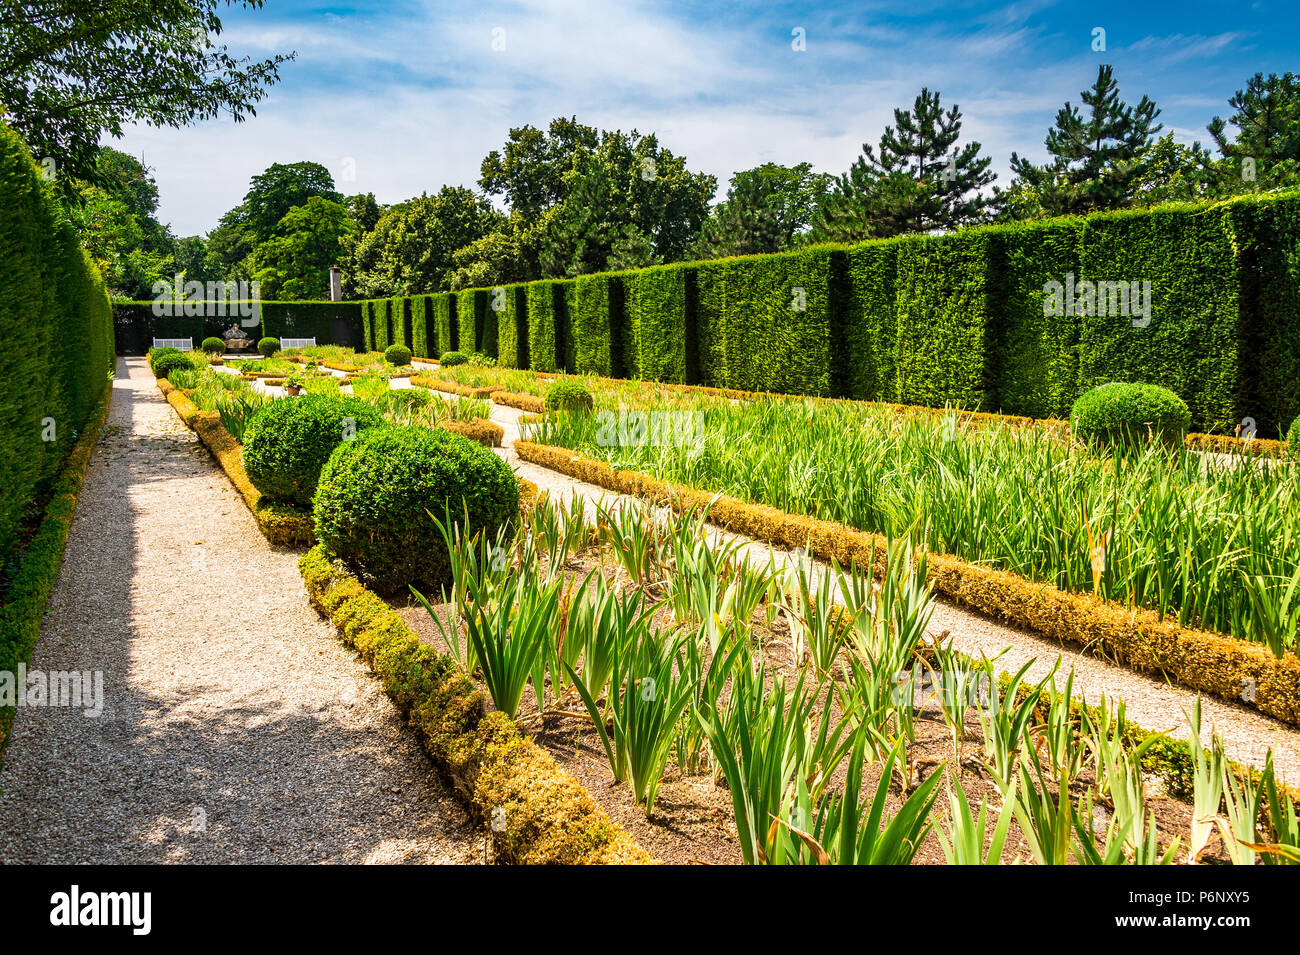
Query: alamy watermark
point(1105, 297)
point(178, 298)
point(639, 429)
point(74, 689)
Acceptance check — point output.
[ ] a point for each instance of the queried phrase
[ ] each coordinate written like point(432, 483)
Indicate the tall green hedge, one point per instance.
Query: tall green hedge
point(1038, 365)
point(421, 345)
point(508, 304)
point(368, 324)
point(600, 324)
point(551, 345)
point(870, 321)
point(384, 335)
point(1189, 344)
point(444, 322)
point(476, 332)
point(330, 323)
point(56, 338)
point(961, 319)
point(765, 323)
point(398, 319)
point(662, 343)
point(1267, 239)
point(945, 321)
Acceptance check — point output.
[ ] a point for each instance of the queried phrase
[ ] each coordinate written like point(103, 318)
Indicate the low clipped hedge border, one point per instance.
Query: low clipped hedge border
point(549, 817)
point(523, 402)
point(450, 387)
point(485, 432)
point(29, 592)
point(1196, 659)
point(282, 525)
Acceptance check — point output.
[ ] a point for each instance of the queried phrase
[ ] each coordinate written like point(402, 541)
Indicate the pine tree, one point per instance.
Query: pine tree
point(1097, 154)
point(1266, 115)
point(921, 181)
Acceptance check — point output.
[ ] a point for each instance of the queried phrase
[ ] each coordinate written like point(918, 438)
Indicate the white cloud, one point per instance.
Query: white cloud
point(418, 99)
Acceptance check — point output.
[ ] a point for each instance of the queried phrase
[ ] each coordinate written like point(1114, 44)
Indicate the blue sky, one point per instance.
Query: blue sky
point(400, 97)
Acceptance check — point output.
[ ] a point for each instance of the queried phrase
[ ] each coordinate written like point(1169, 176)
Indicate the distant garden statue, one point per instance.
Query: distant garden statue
point(236, 339)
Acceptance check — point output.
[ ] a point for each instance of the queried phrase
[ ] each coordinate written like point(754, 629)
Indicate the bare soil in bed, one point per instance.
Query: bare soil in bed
point(692, 821)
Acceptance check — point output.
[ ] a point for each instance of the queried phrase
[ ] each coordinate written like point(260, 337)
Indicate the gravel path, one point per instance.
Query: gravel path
point(235, 727)
point(1152, 704)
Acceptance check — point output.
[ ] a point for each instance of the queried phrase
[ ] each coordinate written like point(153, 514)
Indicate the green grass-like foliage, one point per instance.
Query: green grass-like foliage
point(376, 493)
point(213, 345)
point(397, 355)
point(1181, 539)
point(1293, 441)
point(1128, 415)
point(268, 346)
point(453, 358)
point(568, 395)
point(288, 442)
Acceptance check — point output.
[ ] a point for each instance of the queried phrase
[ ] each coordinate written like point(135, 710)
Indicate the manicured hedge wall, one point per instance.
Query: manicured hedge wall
point(765, 323)
point(368, 324)
point(551, 345)
point(421, 345)
point(508, 304)
point(600, 325)
point(56, 339)
point(477, 325)
point(937, 320)
point(1190, 345)
point(444, 322)
point(662, 340)
point(330, 323)
point(1267, 238)
point(398, 321)
point(1038, 365)
point(870, 321)
point(945, 321)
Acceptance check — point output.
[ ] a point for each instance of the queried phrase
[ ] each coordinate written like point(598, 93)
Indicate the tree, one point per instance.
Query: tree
point(270, 196)
point(530, 170)
point(1266, 146)
point(922, 179)
point(1172, 172)
point(364, 210)
point(74, 70)
point(114, 218)
point(498, 258)
point(1097, 155)
point(280, 188)
point(766, 210)
point(294, 262)
point(631, 194)
point(410, 249)
point(191, 259)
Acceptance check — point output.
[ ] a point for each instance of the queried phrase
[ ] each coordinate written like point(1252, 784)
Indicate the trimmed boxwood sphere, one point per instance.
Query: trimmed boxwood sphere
point(287, 442)
point(376, 493)
point(1293, 441)
point(569, 396)
point(397, 355)
point(268, 346)
point(1126, 415)
point(213, 345)
point(156, 353)
point(164, 365)
point(452, 358)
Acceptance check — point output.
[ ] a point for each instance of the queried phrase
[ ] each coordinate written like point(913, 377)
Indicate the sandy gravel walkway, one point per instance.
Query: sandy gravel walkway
point(235, 728)
point(1154, 705)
